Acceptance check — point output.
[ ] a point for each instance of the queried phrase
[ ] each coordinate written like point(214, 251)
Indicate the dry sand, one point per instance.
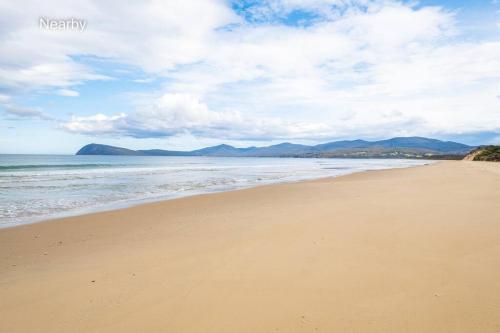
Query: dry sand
point(408, 250)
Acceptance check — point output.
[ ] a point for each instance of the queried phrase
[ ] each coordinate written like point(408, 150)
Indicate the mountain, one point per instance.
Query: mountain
point(423, 143)
point(220, 150)
point(401, 147)
point(97, 149)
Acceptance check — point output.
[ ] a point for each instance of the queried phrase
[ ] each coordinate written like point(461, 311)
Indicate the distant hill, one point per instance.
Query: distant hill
point(402, 147)
point(97, 149)
point(484, 153)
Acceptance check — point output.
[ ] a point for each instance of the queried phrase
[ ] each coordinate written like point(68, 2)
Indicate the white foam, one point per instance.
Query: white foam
point(107, 182)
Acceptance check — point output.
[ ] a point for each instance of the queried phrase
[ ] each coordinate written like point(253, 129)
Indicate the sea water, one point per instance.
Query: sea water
point(39, 187)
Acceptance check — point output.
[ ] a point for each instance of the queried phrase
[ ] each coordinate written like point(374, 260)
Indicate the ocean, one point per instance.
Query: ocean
point(40, 187)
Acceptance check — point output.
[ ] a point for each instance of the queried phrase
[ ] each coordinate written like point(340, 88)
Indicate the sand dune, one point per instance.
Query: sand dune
point(404, 250)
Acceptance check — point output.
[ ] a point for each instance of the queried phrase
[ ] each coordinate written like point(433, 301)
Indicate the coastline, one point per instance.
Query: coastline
point(140, 200)
point(408, 249)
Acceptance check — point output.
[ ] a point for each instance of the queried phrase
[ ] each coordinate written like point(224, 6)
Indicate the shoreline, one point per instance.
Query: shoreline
point(129, 203)
point(407, 249)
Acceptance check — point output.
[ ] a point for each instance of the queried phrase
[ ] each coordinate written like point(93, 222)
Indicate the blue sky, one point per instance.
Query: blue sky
point(183, 75)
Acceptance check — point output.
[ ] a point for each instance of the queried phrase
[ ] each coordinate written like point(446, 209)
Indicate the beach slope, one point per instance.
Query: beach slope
point(403, 250)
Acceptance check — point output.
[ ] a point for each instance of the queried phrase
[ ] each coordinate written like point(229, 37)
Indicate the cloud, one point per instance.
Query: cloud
point(153, 35)
point(96, 124)
point(42, 75)
point(68, 92)
point(4, 98)
point(355, 68)
point(147, 80)
point(21, 112)
point(175, 114)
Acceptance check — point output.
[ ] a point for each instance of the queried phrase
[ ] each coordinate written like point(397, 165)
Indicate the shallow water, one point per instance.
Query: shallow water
point(38, 187)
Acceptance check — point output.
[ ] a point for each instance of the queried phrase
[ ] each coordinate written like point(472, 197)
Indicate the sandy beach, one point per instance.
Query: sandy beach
point(403, 250)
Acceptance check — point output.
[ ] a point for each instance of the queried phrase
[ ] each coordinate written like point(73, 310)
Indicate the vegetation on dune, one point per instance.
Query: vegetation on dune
point(485, 153)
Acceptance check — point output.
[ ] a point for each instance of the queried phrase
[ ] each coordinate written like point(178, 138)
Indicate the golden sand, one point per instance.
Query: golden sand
point(405, 250)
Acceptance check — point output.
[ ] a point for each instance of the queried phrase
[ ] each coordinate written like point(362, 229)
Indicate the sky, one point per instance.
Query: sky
point(189, 74)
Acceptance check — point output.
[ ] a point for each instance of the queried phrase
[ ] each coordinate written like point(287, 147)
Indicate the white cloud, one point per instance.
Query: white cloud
point(68, 93)
point(341, 75)
point(41, 75)
point(176, 114)
point(155, 35)
point(22, 112)
point(147, 80)
point(4, 98)
point(96, 124)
